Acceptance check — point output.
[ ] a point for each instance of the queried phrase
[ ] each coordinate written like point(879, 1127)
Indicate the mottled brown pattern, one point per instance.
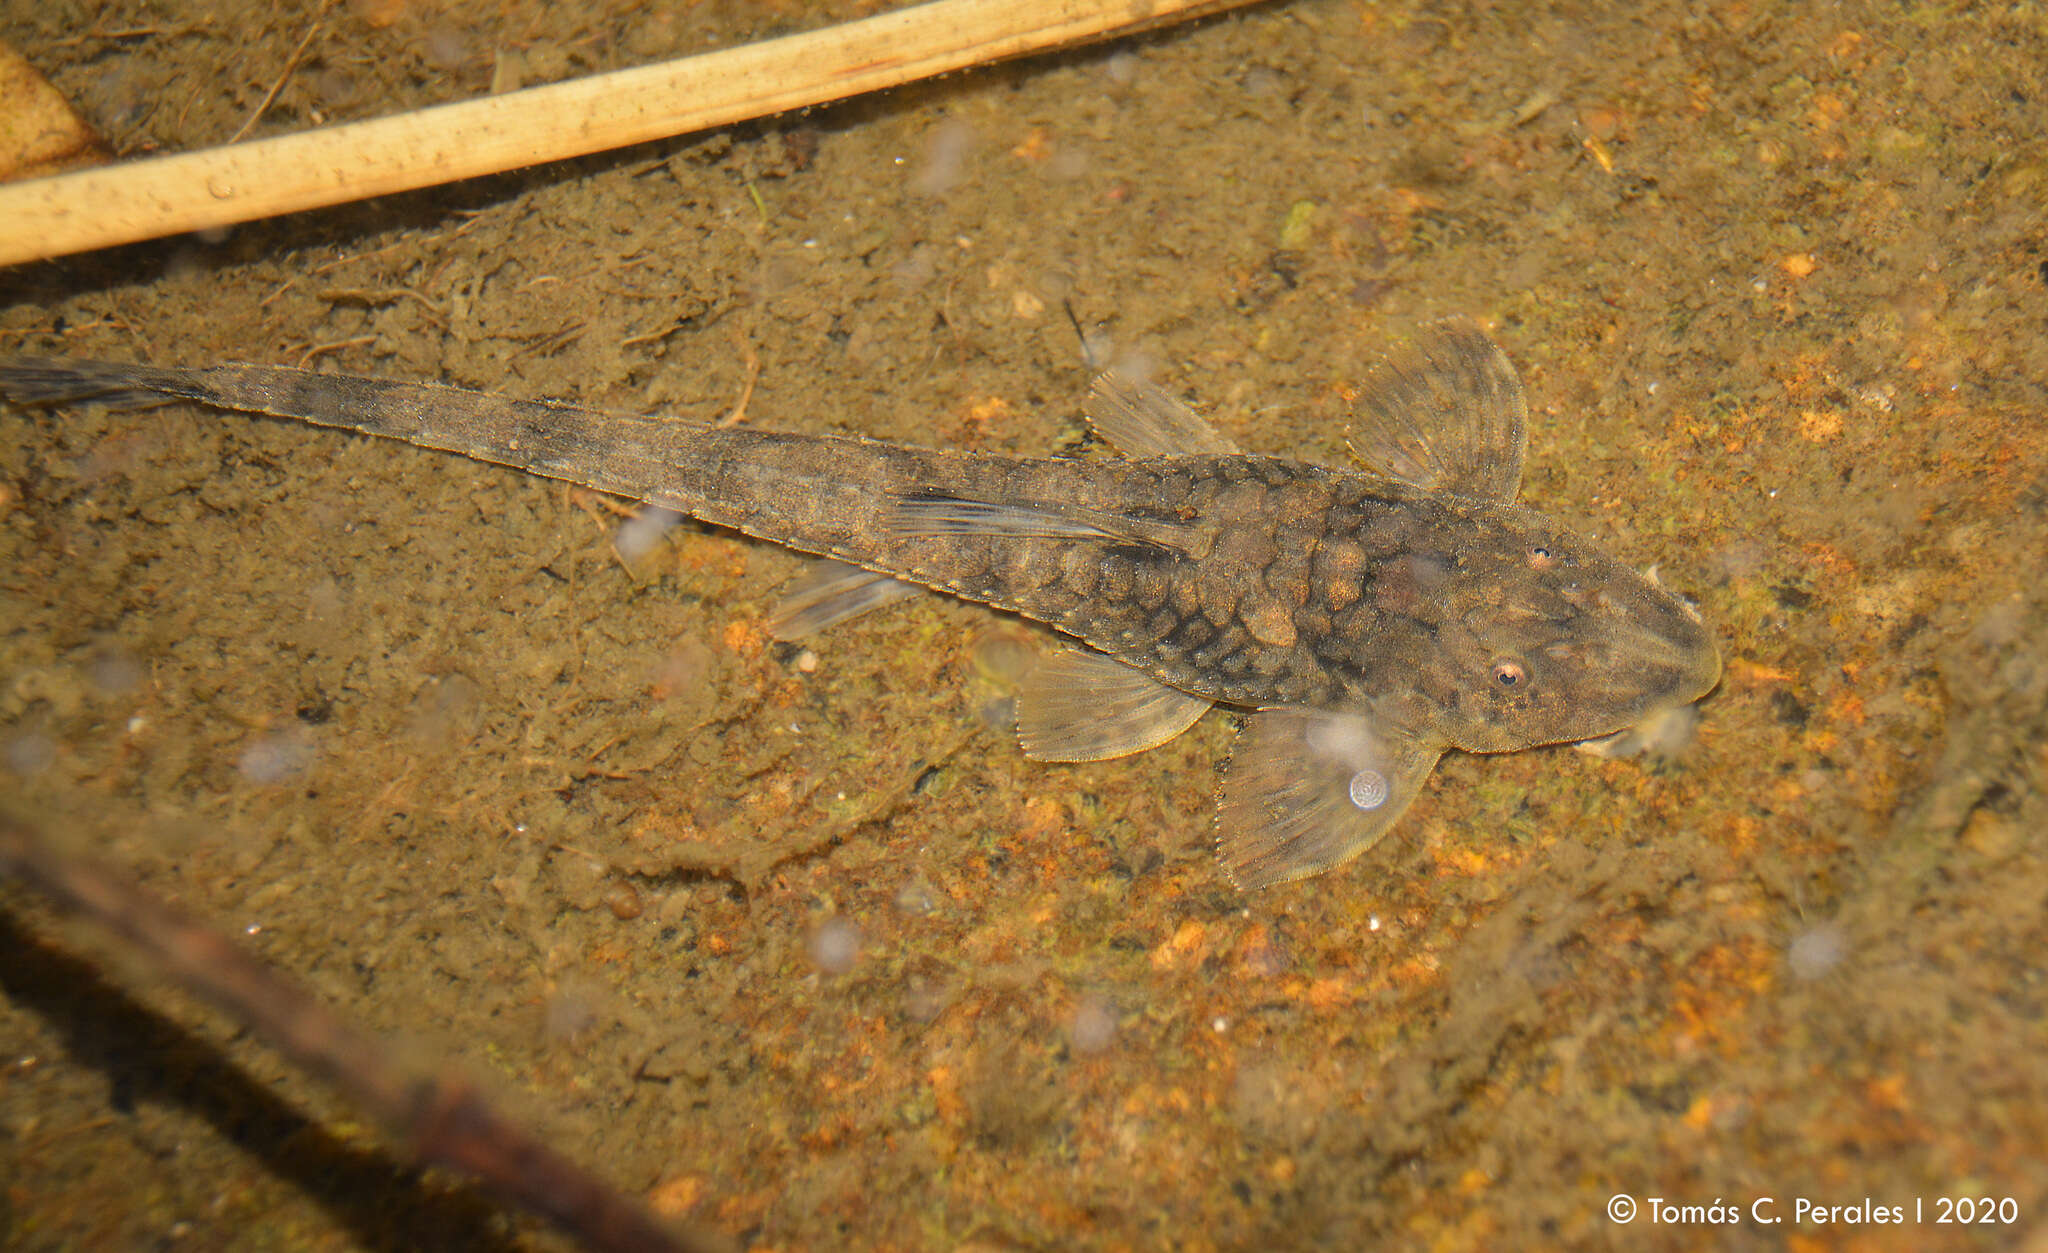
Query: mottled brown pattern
point(1403, 617)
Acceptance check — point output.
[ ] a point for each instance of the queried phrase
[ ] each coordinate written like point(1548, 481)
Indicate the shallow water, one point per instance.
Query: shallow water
point(799, 944)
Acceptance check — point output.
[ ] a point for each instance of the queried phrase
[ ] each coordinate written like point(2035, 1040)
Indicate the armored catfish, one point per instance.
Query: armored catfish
point(1365, 622)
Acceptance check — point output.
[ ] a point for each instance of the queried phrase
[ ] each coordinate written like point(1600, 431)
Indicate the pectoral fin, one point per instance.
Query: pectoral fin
point(1447, 415)
point(1306, 791)
point(1144, 420)
point(829, 592)
point(1080, 705)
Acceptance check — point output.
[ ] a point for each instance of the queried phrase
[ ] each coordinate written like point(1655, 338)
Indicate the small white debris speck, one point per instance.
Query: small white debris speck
point(1093, 1025)
point(915, 896)
point(1816, 952)
point(29, 753)
point(644, 530)
point(835, 945)
point(274, 758)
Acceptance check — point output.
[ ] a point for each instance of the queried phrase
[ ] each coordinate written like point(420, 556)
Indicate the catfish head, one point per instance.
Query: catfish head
point(1543, 637)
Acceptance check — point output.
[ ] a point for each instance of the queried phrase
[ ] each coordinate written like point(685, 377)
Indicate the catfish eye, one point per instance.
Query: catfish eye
point(1539, 557)
point(1509, 674)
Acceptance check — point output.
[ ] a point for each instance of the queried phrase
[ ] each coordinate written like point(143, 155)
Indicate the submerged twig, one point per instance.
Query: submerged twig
point(439, 1115)
point(217, 187)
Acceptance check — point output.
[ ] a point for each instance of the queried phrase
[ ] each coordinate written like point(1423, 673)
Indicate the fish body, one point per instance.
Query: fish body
point(1366, 620)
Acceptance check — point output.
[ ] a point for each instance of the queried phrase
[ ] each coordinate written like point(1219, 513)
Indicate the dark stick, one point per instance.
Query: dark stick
point(438, 1115)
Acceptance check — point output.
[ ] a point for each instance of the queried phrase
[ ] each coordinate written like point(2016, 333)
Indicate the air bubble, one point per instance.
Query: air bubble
point(1368, 789)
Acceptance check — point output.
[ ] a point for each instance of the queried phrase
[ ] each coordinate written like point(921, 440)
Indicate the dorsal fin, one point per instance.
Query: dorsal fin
point(938, 514)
